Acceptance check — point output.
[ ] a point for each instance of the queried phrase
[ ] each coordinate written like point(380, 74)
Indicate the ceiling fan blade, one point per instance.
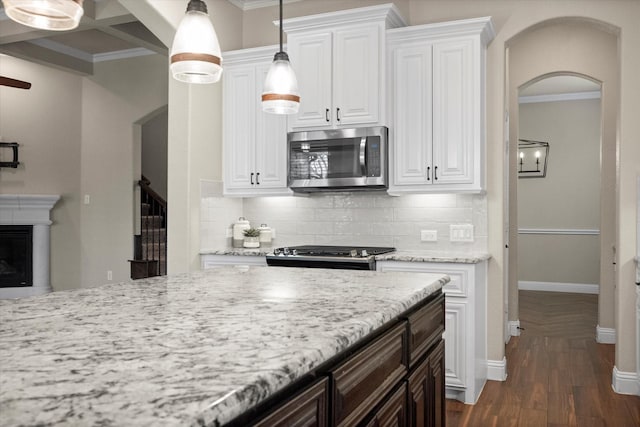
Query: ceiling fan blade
point(6, 81)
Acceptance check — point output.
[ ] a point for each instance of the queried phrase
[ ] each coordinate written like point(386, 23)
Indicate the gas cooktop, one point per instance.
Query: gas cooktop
point(318, 256)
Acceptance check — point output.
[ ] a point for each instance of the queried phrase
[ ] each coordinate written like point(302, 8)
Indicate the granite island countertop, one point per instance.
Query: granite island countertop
point(191, 349)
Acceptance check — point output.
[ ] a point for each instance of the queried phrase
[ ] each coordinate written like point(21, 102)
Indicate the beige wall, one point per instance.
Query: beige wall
point(46, 121)
point(78, 140)
point(567, 198)
point(117, 95)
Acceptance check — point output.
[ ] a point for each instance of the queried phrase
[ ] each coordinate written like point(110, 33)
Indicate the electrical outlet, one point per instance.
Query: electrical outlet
point(87, 199)
point(461, 233)
point(109, 275)
point(229, 232)
point(429, 235)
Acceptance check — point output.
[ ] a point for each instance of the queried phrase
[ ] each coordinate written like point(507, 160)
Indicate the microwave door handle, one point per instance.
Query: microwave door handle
point(363, 157)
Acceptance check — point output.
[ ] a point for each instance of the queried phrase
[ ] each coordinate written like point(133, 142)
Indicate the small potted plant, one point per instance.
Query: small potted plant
point(251, 238)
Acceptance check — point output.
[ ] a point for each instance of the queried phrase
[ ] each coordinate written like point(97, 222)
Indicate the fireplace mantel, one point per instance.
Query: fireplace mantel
point(31, 209)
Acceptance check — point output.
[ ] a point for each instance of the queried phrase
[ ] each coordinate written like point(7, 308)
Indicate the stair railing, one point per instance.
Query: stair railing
point(152, 226)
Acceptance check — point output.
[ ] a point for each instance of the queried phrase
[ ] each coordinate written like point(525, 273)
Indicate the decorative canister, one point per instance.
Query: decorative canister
point(265, 234)
point(238, 231)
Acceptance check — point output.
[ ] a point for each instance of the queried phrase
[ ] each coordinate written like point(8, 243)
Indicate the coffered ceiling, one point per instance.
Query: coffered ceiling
point(107, 31)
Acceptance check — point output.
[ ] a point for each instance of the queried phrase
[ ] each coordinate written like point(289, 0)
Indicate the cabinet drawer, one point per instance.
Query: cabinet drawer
point(426, 326)
point(361, 382)
point(394, 411)
point(309, 408)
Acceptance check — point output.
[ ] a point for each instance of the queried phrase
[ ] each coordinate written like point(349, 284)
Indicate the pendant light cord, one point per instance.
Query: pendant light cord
point(281, 26)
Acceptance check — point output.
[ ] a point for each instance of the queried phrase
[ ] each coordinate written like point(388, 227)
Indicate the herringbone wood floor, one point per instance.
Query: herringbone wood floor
point(557, 374)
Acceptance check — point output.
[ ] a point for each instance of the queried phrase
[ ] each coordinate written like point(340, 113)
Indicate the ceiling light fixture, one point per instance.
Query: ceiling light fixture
point(280, 95)
point(195, 52)
point(56, 15)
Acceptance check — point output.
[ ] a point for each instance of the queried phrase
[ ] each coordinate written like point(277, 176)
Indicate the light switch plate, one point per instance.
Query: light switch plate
point(429, 235)
point(461, 233)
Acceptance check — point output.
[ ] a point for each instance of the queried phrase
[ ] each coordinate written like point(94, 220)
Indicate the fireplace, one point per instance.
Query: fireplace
point(25, 225)
point(16, 255)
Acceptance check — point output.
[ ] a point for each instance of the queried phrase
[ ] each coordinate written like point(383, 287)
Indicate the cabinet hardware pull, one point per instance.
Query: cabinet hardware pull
point(326, 114)
point(435, 173)
point(338, 114)
point(428, 173)
point(258, 178)
point(251, 178)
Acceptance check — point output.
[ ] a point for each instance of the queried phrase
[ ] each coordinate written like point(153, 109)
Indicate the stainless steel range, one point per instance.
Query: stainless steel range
point(343, 257)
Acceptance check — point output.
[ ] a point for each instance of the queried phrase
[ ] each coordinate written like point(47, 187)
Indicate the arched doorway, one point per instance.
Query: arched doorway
point(567, 46)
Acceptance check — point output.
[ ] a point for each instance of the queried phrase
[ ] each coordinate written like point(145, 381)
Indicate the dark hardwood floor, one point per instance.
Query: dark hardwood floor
point(557, 374)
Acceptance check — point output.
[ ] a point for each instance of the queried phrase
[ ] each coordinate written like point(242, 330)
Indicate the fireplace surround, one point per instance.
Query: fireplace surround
point(16, 211)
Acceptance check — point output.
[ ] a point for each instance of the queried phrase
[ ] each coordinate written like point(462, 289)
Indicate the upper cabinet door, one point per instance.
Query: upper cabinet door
point(412, 115)
point(456, 112)
point(271, 143)
point(356, 77)
point(311, 59)
point(238, 126)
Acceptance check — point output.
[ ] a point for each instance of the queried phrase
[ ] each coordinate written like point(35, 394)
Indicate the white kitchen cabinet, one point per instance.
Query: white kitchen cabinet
point(436, 92)
point(254, 142)
point(465, 323)
point(338, 59)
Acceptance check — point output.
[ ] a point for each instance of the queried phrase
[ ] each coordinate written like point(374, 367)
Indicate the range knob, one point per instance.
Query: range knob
point(277, 251)
point(364, 253)
point(294, 252)
point(286, 251)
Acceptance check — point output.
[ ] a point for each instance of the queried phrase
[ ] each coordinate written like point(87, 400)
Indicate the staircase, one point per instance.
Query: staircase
point(150, 246)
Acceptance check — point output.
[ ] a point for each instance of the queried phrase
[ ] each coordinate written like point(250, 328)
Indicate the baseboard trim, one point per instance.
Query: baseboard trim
point(605, 335)
point(514, 328)
point(576, 288)
point(497, 370)
point(625, 382)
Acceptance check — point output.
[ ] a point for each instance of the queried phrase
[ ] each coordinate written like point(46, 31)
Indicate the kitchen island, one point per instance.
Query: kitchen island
point(191, 349)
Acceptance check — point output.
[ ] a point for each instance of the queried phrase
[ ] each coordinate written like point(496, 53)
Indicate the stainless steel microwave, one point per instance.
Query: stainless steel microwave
point(338, 160)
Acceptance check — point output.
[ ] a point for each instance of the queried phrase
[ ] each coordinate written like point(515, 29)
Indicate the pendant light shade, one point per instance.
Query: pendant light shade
point(195, 53)
point(56, 15)
point(280, 95)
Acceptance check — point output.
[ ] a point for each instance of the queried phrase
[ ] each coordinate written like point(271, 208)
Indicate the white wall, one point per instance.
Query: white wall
point(567, 198)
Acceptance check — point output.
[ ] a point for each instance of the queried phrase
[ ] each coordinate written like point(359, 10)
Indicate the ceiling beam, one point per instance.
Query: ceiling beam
point(31, 52)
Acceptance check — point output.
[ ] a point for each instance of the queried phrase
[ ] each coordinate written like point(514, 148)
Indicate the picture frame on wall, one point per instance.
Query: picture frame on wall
point(532, 158)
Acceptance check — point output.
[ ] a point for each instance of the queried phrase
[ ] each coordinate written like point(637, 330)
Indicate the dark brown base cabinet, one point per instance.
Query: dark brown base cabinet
point(393, 380)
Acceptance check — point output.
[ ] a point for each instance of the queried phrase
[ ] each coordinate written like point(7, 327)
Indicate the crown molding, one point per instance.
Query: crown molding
point(245, 5)
point(556, 97)
point(387, 13)
point(464, 27)
point(88, 57)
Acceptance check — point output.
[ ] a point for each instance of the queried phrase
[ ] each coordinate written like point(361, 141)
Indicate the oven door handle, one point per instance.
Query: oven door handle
point(363, 156)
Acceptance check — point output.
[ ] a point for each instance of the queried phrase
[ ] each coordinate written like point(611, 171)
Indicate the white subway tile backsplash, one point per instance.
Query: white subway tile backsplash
point(350, 218)
point(314, 227)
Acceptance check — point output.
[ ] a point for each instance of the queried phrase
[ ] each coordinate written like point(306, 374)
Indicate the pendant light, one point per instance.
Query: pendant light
point(195, 52)
point(280, 95)
point(56, 15)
